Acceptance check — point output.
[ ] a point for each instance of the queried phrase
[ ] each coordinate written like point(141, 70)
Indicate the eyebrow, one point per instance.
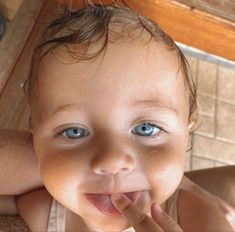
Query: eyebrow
point(149, 103)
point(59, 109)
point(155, 103)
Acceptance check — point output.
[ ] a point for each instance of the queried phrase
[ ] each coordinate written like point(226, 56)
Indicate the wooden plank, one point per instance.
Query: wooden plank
point(10, 7)
point(16, 36)
point(14, 109)
point(191, 26)
point(224, 9)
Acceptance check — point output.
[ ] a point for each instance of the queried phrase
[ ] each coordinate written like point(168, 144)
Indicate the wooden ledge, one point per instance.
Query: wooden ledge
point(194, 27)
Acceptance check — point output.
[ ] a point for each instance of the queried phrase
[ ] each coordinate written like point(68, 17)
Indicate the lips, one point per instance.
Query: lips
point(103, 202)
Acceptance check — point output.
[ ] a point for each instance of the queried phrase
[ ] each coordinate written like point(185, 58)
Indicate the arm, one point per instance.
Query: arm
point(8, 205)
point(219, 181)
point(18, 165)
point(197, 213)
point(34, 207)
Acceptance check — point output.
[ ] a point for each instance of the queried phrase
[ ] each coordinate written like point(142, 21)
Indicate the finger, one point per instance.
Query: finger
point(139, 220)
point(163, 219)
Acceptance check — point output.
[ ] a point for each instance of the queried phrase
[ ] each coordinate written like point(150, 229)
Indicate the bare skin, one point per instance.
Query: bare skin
point(113, 158)
point(161, 222)
point(17, 155)
point(110, 156)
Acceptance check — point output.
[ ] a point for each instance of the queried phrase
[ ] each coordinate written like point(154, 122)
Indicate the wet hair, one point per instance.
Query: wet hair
point(77, 30)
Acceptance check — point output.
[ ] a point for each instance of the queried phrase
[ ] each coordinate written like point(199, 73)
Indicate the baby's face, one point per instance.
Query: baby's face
point(114, 125)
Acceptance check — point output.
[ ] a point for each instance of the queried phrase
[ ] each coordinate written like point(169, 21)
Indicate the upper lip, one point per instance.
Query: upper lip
point(109, 193)
point(133, 196)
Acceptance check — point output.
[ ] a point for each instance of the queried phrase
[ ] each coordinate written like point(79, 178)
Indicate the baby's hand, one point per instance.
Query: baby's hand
point(160, 221)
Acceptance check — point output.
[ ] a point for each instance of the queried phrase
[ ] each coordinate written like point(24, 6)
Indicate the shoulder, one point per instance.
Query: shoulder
point(34, 207)
point(197, 212)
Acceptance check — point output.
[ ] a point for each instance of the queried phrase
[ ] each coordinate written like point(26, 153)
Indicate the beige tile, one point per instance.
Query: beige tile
point(206, 104)
point(207, 126)
point(226, 84)
point(206, 79)
point(201, 163)
point(193, 65)
point(220, 164)
point(225, 124)
point(190, 144)
point(214, 149)
point(187, 163)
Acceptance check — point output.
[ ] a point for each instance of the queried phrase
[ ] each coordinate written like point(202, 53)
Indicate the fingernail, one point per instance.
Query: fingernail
point(158, 208)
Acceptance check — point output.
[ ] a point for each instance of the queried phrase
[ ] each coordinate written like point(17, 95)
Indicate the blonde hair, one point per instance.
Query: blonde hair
point(92, 23)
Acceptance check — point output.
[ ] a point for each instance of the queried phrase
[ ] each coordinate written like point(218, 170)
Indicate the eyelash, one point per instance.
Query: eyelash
point(60, 133)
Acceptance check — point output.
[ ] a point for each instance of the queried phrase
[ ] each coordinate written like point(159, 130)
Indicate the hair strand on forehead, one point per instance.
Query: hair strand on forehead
point(77, 30)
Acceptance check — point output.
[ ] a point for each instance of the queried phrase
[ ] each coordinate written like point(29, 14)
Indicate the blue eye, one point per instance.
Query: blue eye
point(144, 129)
point(74, 133)
point(147, 129)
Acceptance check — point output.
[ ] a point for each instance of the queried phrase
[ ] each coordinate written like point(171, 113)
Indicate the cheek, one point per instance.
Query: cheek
point(57, 175)
point(62, 171)
point(165, 168)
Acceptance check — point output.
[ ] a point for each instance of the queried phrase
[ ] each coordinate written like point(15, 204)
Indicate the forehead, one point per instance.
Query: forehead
point(127, 71)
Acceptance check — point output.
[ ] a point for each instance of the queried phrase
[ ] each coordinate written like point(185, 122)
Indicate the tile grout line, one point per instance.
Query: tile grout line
point(223, 100)
point(201, 113)
point(216, 102)
point(214, 163)
point(191, 155)
point(217, 139)
point(192, 141)
point(221, 139)
point(209, 158)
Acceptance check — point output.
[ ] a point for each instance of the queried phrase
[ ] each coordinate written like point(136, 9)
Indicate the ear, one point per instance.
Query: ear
point(191, 125)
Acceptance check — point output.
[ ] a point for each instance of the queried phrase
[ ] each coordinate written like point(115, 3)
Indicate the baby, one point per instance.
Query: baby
point(112, 104)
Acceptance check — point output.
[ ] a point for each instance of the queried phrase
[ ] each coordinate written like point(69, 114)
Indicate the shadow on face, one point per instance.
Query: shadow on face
point(114, 124)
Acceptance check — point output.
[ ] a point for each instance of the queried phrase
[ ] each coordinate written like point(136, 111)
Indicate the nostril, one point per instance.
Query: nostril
point(125, 169)
point(112, 164)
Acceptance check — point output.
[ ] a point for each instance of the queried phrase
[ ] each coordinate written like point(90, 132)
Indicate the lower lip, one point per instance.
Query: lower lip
point(103, 202)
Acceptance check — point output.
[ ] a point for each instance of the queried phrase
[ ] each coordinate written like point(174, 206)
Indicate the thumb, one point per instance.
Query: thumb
point(164, 220)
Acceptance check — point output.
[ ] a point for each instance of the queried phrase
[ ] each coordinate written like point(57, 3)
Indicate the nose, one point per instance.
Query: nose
point(112, 162)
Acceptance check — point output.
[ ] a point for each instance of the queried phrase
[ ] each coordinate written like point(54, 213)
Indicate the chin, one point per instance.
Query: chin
point(98, 221)
point(107, 224)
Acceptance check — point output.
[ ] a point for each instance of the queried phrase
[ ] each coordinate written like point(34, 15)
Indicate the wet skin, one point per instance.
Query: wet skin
point(108, 101)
